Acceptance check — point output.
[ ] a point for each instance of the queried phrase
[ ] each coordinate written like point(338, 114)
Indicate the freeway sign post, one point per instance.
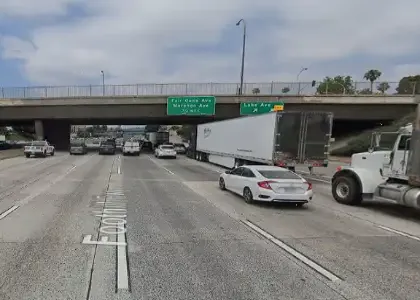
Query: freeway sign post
point(256, 108)
point(191, 106)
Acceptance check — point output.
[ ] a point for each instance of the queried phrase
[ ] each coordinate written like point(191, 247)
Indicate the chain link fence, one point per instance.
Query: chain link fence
point(185, 89)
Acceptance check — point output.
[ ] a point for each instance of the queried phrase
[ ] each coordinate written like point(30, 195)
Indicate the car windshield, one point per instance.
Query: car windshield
point(167, 147)
point(107, 143)
point(38, 143)
point(77, 144)
point(274, 174)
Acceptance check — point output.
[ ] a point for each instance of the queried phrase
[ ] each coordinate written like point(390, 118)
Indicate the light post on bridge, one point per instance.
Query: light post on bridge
point(297, 78)
point(103, 83)
point(243, 55)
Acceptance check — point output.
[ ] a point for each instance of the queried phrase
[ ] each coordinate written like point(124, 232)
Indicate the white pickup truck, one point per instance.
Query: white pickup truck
point(39, 148)
point(131, 148)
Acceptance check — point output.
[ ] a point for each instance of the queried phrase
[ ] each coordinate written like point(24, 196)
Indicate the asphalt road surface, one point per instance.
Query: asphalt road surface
point(114, 227)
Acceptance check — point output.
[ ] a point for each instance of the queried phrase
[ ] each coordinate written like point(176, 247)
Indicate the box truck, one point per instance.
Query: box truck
point(162, 137)
point(284, 139)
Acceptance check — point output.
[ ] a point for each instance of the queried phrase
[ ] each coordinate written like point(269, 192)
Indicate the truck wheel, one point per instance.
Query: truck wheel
point(27, 155)
point(222, 184)
point(346, 190)
point(293, 169)
point(249, 198)
point(52, 153)
point(44, 154)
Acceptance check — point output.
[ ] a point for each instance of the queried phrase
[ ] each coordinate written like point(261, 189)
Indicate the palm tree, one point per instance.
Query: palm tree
point(372, 76)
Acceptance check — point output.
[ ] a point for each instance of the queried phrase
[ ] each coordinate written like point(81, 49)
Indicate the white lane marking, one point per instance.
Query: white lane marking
point(104, 241)
point(122, 268)
point(9, 211)
point(400, 233)
point(32, 196)
point(119, 170)
point(160, 165)
point(327, 274)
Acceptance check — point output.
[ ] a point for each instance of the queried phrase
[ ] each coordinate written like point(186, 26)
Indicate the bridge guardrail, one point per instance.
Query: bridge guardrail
point(173, 89)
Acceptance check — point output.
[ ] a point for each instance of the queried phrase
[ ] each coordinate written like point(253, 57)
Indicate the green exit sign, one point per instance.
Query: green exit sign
point(255, 108)
point(191, 106)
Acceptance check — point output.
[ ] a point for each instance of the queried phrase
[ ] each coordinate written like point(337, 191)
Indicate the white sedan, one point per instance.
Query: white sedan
point(165, 151)
point(267, 183)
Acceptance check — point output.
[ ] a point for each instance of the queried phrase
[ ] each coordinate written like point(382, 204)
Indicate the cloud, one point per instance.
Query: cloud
point(31, 8)
point(197, 41)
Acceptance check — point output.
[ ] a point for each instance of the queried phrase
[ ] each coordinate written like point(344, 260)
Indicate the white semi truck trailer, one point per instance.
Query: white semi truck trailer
point(283, 139)
point(386, 175)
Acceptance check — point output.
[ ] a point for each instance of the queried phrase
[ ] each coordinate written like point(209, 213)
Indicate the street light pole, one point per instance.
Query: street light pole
point(297, 78)
point(301, 71)
point(103, 83)
point(243, 55)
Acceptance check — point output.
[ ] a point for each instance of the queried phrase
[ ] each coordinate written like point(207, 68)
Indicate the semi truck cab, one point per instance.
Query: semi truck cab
point(379, 174)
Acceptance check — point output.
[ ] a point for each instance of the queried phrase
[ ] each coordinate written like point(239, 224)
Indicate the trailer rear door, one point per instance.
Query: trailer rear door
point(316, 138)
point(287, 139)
point(302, 138)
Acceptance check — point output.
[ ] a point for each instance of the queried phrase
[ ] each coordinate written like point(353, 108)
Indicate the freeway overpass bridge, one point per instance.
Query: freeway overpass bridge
point(53, 115)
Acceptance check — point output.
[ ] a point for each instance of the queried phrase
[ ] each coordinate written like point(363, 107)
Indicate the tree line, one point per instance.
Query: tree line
point(408, 85)
point(346, 85)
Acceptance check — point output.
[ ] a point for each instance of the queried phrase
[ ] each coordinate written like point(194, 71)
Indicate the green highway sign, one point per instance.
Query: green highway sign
point(191, 106)
point(255, 108)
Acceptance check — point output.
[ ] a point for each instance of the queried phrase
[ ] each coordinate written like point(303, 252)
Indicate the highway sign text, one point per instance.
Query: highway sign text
point(191, 105)
point(255, 108)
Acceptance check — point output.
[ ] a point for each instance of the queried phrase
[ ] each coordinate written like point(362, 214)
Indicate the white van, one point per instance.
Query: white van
point(131, 147)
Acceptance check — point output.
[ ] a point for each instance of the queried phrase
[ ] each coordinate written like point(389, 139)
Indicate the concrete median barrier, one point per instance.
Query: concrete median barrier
point(10, 153)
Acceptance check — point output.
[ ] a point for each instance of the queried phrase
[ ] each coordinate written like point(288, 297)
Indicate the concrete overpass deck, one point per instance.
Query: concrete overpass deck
point(120, 110)
point(53, 116)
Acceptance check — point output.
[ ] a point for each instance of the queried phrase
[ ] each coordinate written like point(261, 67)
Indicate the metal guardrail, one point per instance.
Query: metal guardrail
point(173, 89)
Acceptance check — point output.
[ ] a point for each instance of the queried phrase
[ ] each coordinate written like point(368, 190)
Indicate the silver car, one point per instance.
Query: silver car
point(78, 148)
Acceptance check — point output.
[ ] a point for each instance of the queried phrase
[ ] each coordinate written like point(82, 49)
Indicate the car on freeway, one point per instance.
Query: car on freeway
point(39, 149)
point(180, 148)
point(147, 146)
point(267, 183)
point(78, 147)
point(131, 147)
point(108, 147)
point(165, 151)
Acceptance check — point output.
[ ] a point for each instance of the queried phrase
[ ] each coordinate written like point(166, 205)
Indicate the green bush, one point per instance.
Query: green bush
point(361, 142)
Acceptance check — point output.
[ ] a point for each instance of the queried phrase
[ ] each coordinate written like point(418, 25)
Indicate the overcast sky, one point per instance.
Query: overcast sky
point(65, 42)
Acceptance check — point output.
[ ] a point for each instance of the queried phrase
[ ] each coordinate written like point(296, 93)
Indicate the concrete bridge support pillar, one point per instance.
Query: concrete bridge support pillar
point(57, 133)
point(39, 130)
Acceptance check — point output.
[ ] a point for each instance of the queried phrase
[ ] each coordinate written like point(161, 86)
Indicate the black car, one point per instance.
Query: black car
point(108, 147)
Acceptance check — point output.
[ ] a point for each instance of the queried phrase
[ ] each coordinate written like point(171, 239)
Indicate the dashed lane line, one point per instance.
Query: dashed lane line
point(310, 263)
point(9, 211)
point(160, 165)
